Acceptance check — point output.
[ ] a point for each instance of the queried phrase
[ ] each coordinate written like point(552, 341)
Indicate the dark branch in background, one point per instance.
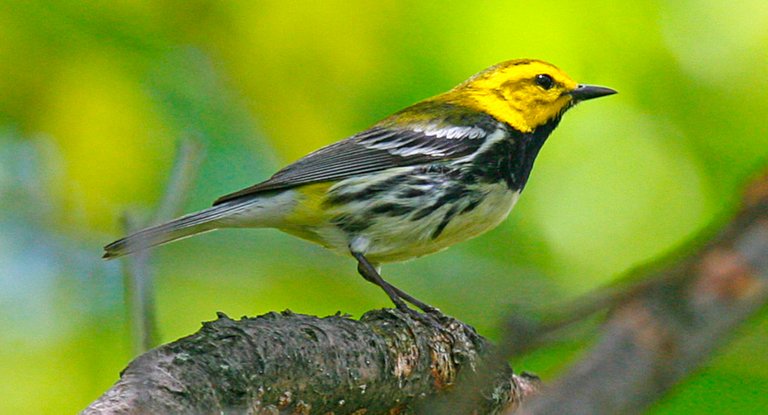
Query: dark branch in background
point(666, 327)
point(658, 330)
point(386, 363)
point(137, 276)
point(694, 339)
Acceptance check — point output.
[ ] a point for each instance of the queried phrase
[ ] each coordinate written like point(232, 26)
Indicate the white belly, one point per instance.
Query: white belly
point(400, 238)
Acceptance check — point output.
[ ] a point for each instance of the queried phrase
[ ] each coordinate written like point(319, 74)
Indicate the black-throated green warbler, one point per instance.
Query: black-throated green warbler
point(436, 173)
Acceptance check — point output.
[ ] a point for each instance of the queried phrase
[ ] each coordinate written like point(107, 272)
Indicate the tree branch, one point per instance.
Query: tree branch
point(386, 363)
point(664, 331)
point(137, 276)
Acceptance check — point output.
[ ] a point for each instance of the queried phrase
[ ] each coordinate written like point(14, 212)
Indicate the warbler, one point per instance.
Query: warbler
point(439, 172)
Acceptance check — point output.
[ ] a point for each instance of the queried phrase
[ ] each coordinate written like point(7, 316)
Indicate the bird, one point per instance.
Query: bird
point(436, 173)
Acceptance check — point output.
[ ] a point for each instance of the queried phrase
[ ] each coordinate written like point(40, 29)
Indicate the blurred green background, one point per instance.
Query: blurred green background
point(95, 95)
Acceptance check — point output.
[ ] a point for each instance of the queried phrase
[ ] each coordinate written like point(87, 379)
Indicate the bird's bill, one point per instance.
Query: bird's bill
point(585, 92)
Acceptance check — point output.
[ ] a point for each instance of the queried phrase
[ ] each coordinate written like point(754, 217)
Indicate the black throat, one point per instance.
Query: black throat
point(511, 159)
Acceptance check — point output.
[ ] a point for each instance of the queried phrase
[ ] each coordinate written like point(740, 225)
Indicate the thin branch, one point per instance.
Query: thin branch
point(186, 165)
point(138, 284)
point(137, 276)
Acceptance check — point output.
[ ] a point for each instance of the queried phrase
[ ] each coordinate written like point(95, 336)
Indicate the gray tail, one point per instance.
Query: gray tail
point(185, 226)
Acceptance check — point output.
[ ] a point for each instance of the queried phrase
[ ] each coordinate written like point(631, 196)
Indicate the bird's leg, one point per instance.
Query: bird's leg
point(369, 272)
point(407, 297)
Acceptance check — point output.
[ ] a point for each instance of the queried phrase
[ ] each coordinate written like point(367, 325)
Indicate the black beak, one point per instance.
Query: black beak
point(585, 92)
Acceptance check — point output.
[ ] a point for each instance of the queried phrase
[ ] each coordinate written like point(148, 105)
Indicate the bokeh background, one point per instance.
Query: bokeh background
point(95, 96)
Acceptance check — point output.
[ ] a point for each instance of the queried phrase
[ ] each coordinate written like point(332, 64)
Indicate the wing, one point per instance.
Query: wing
point(373, 150)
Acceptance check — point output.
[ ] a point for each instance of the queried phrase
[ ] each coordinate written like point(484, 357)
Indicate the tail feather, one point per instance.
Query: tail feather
point(185, 226)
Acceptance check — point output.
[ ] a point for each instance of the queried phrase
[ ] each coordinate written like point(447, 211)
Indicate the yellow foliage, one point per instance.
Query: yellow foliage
point(301, 70)
point(112, 141)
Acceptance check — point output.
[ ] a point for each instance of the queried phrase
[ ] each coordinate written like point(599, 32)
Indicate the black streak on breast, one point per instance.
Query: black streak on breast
point(511, 160)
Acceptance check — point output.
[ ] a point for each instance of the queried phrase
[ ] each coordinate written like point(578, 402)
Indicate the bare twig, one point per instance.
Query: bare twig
point(185, 167)
point(138, 278)
point(138, 283)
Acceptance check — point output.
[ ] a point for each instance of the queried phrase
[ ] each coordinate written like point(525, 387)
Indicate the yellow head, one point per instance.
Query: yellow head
point(524, 93)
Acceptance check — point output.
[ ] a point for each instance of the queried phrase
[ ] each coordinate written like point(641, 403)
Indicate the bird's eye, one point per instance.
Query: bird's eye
point(545, 81)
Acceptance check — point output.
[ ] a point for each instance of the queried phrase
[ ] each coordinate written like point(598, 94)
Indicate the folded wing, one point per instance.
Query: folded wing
point(373, 150)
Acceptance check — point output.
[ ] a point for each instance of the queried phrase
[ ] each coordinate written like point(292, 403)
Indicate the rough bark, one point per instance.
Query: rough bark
point(386, 363)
